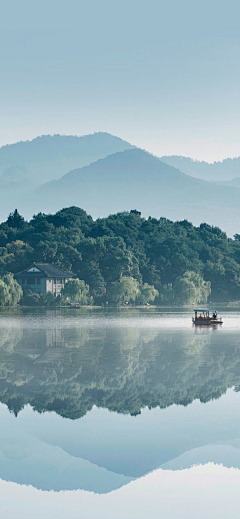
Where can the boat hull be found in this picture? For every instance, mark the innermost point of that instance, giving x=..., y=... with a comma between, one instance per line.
x=206, y=323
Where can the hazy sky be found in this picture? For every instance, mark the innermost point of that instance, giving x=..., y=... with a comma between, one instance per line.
x=163, y=75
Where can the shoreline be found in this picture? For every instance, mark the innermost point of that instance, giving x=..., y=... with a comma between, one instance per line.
x=232, y=304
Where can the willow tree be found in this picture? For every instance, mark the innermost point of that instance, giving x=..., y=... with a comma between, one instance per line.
x=147, y=294
x=76, y=290
x=191, y=288
x=10, y=291
x=124, y=291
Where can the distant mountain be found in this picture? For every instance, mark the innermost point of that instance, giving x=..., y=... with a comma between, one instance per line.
x=48, y=157
x=136, y=179
x=31, y=163
x=228, y=169
x=235, y=182
x=112, y=175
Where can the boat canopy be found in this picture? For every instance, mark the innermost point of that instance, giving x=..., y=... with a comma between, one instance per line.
x=205, y=310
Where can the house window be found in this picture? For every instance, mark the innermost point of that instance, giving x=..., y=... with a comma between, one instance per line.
x=23, y=281
x=38, y=281
x=31, y=281
x=54, y=281
x=59, y=281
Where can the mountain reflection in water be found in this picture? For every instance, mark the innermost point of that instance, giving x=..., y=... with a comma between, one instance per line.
x=118, y=394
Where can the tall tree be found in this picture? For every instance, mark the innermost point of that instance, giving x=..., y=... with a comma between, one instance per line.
x=124, y=291
x=191, y=288
x=10, y=291
x=76, y=290
x=15, y=220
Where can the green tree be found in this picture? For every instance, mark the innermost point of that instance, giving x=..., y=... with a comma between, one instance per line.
x=124, y=291
x=166, y=295
x=147, y=294
x=50, y=300
x=4, y=294
x=31, y=298
x=77, y=291
x=154, y=251
x=191, y=288
x=10, y=291
x=15, y=220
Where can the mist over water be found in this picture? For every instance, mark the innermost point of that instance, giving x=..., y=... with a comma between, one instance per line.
x=114, y=401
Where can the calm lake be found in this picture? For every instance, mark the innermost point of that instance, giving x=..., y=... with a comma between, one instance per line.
x=118, y=414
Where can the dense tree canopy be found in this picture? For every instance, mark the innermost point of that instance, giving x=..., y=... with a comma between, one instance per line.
x=159, y=253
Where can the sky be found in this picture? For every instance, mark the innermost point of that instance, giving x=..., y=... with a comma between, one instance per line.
x=162, y=75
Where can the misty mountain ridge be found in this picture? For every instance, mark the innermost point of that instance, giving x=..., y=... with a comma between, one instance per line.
x=226, y=170
x=29, y=164
x=135, y=178
x=104, y=174
x=48, y=157
x=235, y=182
x=130, y=162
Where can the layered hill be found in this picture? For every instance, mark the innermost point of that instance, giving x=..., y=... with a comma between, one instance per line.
x=136, y=179
x=235, y=182
x=28, y=164
x=48, y=157
x=111, y=176
x=226, y=170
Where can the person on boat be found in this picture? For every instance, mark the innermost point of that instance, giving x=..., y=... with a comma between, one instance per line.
x=214, y=316
x=201, y=317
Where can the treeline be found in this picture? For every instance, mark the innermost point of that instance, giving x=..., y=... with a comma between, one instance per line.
x=125, y=258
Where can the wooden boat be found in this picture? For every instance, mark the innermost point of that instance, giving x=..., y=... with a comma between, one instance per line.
x=74, y=305
x=206, y=316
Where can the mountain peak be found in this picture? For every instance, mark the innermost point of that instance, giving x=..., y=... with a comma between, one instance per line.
x=50, y=156
x=125, y=165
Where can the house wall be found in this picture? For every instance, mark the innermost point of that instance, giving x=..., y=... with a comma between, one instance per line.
x=55, y=285
x=49, y=286
x=43, y=285
x=39, y=285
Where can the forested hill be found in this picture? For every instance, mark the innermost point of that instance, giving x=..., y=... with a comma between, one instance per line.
x=176, y=259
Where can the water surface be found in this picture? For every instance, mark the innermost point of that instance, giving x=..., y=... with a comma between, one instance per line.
x=124, y=414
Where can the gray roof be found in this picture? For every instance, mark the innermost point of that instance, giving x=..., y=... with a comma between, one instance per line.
x=47, y=269
x=205, y=310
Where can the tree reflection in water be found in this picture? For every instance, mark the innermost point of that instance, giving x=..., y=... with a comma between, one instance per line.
x=70, y=369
